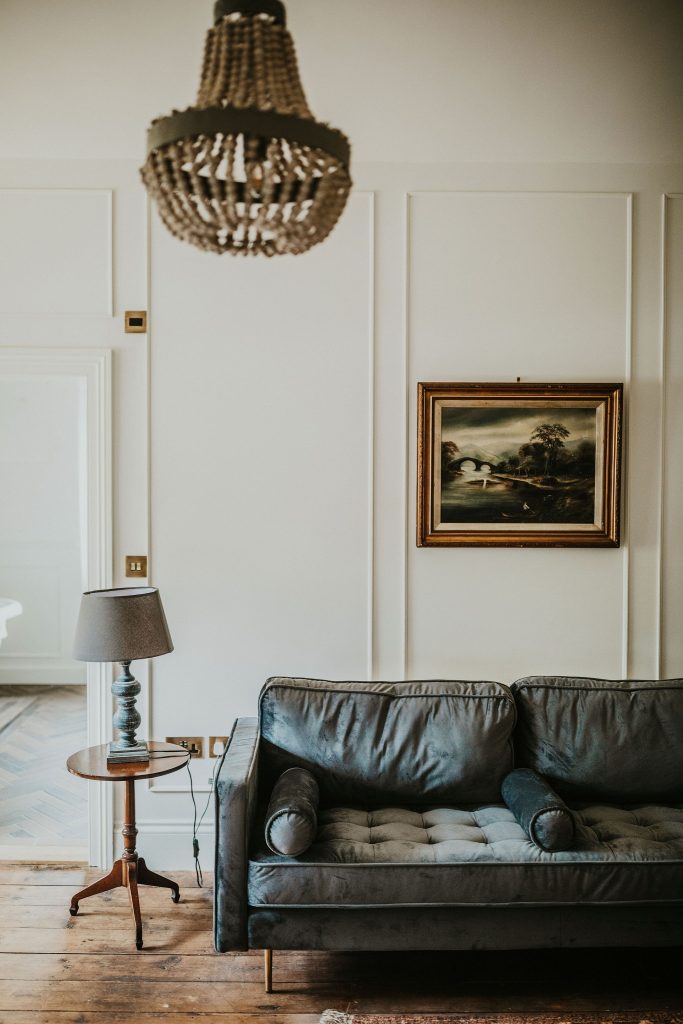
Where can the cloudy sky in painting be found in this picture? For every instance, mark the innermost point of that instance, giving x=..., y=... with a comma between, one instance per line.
x=502, y=430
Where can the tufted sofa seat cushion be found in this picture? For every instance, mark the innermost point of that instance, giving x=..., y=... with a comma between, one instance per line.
x=474, y=857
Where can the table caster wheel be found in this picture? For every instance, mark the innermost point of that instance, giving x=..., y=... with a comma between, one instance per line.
x=176, y=897
x=73, y=910
x=138, y=943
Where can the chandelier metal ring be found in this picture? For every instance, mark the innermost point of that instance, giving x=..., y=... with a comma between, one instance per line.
x=268, y=124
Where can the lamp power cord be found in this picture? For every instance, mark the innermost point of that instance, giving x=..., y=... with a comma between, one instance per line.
x=196, y=824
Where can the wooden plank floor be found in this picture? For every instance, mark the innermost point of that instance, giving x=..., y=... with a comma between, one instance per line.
x=55, y=969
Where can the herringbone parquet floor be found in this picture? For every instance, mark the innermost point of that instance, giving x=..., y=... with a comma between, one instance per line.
x=43, y=809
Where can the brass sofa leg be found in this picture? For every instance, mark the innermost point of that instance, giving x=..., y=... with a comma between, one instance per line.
x=268, y=969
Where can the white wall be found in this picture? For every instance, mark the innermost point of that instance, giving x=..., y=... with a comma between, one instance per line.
x=510, y=162
x=409, y=80
x=672, y=361
x=41, y=525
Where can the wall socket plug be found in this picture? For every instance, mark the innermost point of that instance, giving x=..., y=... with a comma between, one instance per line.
x=217, y=745
x=195, y=744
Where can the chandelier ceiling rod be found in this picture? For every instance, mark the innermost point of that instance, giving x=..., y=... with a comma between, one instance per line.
x=274, y=8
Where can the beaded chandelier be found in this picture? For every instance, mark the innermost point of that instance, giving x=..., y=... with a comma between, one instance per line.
x=248, y=169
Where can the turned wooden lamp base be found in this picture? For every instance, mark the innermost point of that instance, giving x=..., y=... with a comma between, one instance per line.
x=129, y=871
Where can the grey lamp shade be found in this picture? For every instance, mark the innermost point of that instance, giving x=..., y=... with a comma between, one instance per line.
x=121, y=625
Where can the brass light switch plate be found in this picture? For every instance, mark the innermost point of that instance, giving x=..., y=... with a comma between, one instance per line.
x=136, y=565
x=135, y=321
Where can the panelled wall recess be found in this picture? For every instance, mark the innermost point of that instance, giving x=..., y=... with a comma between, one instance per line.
x=248, y=169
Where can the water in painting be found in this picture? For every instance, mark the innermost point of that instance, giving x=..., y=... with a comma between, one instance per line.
x=513, y=464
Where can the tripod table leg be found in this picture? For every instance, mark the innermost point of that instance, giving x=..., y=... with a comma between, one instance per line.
x=111, y=881
x=135, y=902
x=147, y=877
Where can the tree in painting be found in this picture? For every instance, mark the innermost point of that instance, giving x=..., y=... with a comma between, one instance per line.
x=449, y=452
x=552, y=437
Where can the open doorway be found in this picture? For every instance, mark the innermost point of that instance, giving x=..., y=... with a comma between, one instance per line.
x=54, y=543
x=43, y=809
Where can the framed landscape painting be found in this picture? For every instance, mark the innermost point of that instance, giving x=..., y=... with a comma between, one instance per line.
x=519, y=464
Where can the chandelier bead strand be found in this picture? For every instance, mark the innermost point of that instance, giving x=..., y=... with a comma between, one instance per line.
x=248, y=170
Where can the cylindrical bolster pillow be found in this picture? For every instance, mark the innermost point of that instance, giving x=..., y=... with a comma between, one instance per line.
x=292, y=815
x=545, y=818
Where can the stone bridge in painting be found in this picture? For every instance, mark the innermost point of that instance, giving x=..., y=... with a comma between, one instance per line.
x=477, y=463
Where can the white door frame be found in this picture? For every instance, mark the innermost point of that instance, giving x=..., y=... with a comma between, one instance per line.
x=92, y=366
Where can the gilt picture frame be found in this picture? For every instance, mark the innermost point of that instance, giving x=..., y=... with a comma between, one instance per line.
x=519, y=465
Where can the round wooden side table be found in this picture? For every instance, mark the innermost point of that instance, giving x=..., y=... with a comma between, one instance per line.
x=130, y=870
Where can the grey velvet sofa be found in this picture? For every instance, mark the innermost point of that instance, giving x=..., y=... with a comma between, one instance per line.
x=415, y=848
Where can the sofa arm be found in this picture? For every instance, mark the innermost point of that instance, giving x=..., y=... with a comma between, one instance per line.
x=235, y=795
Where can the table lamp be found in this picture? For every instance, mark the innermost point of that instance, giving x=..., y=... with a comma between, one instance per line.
x=122, y=625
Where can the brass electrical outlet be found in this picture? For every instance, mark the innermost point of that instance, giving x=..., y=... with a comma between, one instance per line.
x=136, y=565
x=195, y=744
x=135, y=321
x=217, y=745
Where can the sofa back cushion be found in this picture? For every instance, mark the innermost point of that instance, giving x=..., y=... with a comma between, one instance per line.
x=390, y=743
x=599, y=739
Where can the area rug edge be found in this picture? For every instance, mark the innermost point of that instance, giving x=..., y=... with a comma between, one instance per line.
x=577, y=1017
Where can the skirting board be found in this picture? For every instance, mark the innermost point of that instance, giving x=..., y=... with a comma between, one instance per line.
x=31, y=853
x=36, y=674
x=167, y=845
